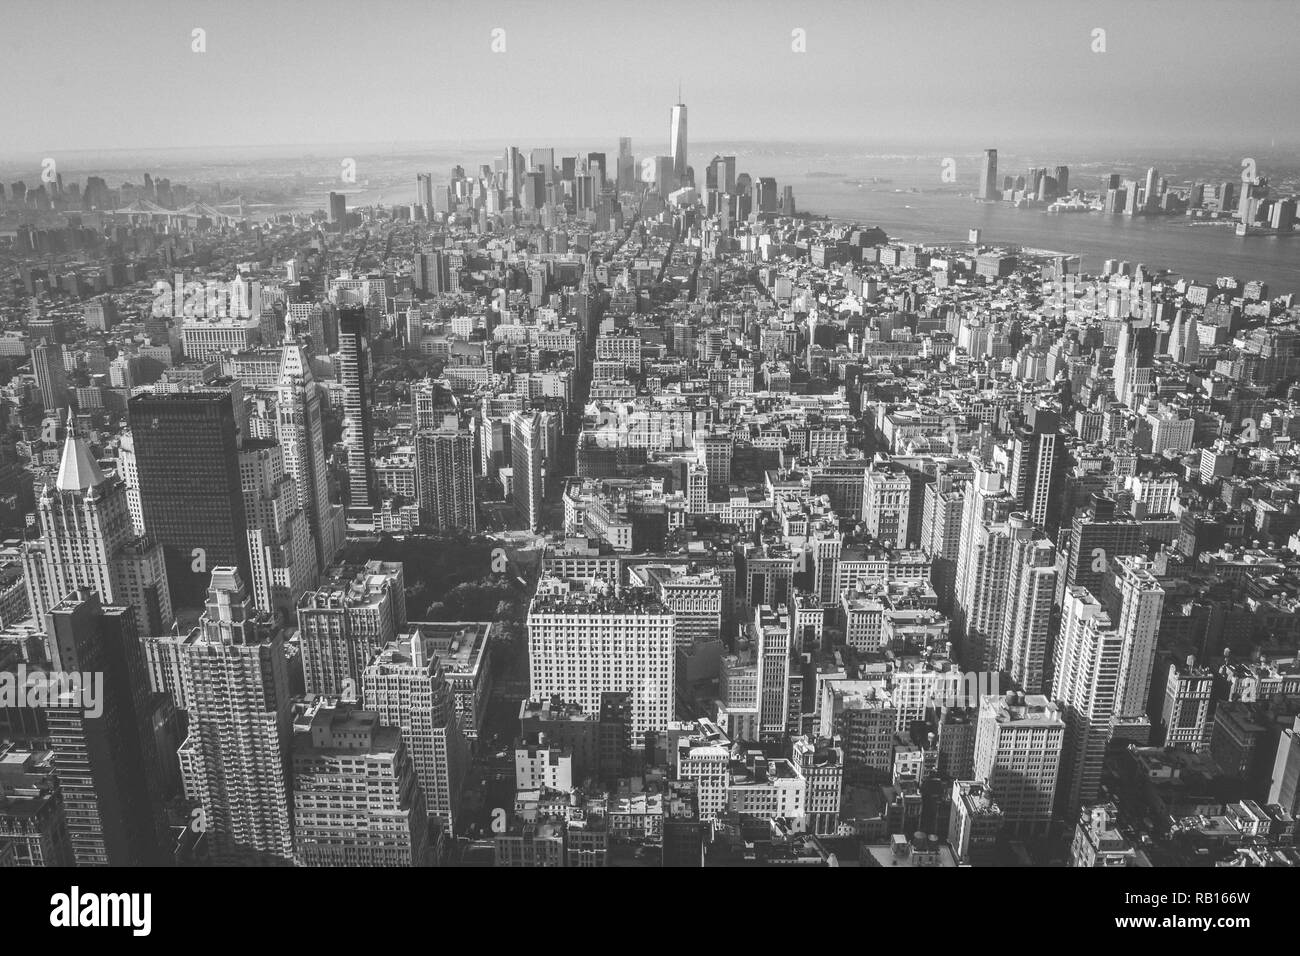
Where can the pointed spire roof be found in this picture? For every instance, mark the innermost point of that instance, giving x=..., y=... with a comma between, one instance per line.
x=78, y=471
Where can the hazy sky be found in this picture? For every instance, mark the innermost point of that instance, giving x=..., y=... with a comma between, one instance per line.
x=113, y=74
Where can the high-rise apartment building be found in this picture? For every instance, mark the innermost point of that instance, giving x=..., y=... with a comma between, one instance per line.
x=445, y=468
x=405, y=684
x=356, y=798
x=358, y=433
x=355, y=612
x=236, y=761
x=1037, y=468
x=1135, y=600
x=1086, y=683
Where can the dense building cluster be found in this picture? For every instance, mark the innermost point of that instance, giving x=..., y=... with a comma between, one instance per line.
x=801, y=545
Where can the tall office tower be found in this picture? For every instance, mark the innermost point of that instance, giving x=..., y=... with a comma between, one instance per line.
x=1037, y=468
x=995, y=554
x=357, y=611
x=236, y=761
x=665, y=178
x=1062, y=180
x=771, y=640
x=1186, y=719
x=356, y=798
x=191, y=493
x=714, y=451
x=33, y=826
x=406, y=686
x=677, y=141
x=765, y=196
x=431, y=274
x=514, y=163
x=301, y=434
x=886, y=504
x=787, y=201
x=424, y=191
x=598, y=167
x=1097, y=536
x=51, y=376
x=941, y=526
x=90, y=542
x=1018, y=743
x=626, y=165
x=107, y=762
x=1086, y=682
x=358, y=435
x=1134, y=600
x=1024, y=648
x=1151, y=190
x=281, y=552
x=987, y=503
x=339, y=210
x=989, y=177
x=528, y=464
x=582, y=643
x=534, y=191
x=1134, y=361
x=543, y=161
x=130, y=475
x=444, y=478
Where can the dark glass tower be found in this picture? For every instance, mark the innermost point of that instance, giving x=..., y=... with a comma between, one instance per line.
x=187, y=457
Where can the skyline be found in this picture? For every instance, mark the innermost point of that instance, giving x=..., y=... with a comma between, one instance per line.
x=252, y=51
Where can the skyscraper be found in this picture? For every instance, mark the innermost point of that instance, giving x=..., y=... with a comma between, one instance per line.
x=677, y=141
x=444, y=470
x=339, y=210
x=989, y=177
x=191, y=492
x=356, y=611
x=107, y=763
x=51, y=377
x=1036, y=467
x=626, y=165
x=1024, y=647
x=300, y=432
x=1134, y=599
x=281, y=553
x=528, y=466
x=514, y=163
x=1150, y=192
x=1018, y=742
x=236, y=760
x=406, y=686
x=1086, y=682
x=358, y=435
x=596, y=161
x=356, y=798
x=90, y=543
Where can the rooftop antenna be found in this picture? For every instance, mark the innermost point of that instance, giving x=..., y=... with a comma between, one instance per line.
x=679, y=91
